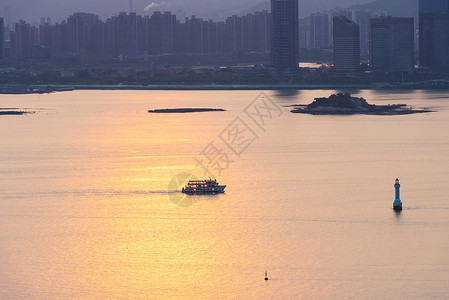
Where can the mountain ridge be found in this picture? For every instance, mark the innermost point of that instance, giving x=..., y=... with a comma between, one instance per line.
x=398, y=8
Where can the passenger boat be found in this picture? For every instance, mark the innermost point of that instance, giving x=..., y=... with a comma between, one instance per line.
x=203, y=187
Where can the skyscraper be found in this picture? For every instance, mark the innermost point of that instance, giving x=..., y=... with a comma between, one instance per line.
x=22, y=40
x=434, y=34
x=319, y=31
x=233, y=34
x=77, y=25
x=285, y=37
x=256, y=31
x=195, y=35
x=392, y=44
x=2, y=41
x=346, y=44
x=337, y=12
x=304, y=33
x=361, y=17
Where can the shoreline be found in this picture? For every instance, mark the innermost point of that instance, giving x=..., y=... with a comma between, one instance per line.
x=19, y=89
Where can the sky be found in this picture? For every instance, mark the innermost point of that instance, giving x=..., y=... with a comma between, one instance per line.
x=33, y=10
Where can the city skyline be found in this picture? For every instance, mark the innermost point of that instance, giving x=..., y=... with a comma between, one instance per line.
x=132, y=35
x=137, y=36
x=12, y=11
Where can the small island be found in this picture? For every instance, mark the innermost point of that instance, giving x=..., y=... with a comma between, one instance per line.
x=183, y=110
x=10, y=112
x=345, y=104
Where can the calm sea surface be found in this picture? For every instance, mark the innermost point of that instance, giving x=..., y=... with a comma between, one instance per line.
x=86, y=210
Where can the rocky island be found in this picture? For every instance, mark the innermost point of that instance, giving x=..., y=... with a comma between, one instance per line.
x=183, y=110
x=345, y=104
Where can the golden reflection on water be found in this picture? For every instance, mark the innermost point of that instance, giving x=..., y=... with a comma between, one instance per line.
x=85, y=211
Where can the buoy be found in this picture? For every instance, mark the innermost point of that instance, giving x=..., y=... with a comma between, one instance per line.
x=397, y=204
x=266, y=275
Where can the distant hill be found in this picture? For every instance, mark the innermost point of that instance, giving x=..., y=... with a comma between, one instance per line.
x=259, y=7
x=399, y=8
x=307, y=7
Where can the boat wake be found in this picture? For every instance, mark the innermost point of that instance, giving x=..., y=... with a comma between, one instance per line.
x=83, y=193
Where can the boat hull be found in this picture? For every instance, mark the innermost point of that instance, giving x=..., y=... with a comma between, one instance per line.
x=197, y=191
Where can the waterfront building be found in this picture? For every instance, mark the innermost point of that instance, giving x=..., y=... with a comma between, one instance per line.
x=284, y=37
x=392, y=44
x=346, y=44
x=434, y=35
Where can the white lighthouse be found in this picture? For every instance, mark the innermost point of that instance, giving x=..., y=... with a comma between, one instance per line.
x=397, y=204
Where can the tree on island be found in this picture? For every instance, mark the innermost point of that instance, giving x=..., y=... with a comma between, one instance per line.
x=342, y=101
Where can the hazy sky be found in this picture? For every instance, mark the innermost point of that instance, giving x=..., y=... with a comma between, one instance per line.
x=33, y=10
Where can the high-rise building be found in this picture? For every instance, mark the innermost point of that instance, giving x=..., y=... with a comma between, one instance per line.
x=180, y=16
x=262, y=29
x=392, y=44
x=22, y=40
x=195, y=35
x=337, y=12
x=233, y=34
x=162, y=28
x=2, y=41
x=304, y=33
x=433, y=6
x=434, y=34
x=346, y=44
x=285, y=37
x=218, y=38
x=125, y=35
x=77, y=26
x=319, y=31
x=180, y=38
x=7, y=16
x=255, y=33
x=361, y=17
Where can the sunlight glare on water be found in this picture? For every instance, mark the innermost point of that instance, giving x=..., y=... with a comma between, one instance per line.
x=85, y=210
